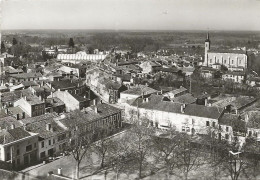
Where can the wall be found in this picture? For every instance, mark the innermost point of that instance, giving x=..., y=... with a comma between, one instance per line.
x=227, y=59
x=24, y=105
x=21, y=145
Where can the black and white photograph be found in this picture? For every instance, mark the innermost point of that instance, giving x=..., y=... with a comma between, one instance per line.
x=130, y=90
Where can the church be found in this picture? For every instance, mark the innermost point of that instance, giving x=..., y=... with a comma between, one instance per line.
x=234, y=60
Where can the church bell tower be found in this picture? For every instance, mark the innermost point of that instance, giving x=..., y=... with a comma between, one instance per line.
x=207, y=47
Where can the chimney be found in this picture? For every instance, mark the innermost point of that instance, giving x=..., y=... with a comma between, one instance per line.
x=60, y=171
x=182, y=108
x=23, y=116
x=96, y=109
x=6, y=111
x=94, y=101
x=24, y=127
x=48, y=126
x=206, y=102
x=12, y=126
x=25, y=98
x=17, y=116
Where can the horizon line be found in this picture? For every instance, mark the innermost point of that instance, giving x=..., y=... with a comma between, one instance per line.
x=81, y=29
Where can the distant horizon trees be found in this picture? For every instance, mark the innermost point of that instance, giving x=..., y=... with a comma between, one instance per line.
x=71, y=43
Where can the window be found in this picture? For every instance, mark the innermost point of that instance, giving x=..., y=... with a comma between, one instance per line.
x=187, y=129
x=183, y=128
x=18, y=152
x=49, y=142
x=28, y=148
x=227, y=129
x=18, y=161
x=8, y=157
x=240, y=61
x=207, y=123
x=53, y=141
x=250, y=133
x=225, y=61
x=42, y=154
x=232, y=62
x=210, y=60
x=226, y=136
x=42, y=144
x=213, y=124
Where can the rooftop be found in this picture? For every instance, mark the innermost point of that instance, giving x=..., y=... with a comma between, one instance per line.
x=140, y=90
x=11, y=135
x=156, y=102
x=234, y=121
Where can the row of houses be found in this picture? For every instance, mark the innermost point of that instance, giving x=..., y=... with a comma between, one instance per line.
x=27, y=141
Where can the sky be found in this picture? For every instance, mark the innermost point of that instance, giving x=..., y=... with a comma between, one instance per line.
x=131, y=14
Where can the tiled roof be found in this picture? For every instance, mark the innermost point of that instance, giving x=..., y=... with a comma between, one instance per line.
x=65, y=84
x=13, y=135
x=156, y=103
x=253, y=119
x=226, y=51
x=54, y=102
x=39, y=118
x=234, y=121
x=89, y=115
x=6, y=122
x=32, y=99
x=242, y=101
x=185, y=98
x=29, y=83
x=176, y=91
x=139, y=90
x=39, y=126
x=15, y=95
x=26, y=75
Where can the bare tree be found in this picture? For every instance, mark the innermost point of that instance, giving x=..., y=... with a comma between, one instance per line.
x=141, y=144
x=104, y=144
x=80, y=145
x=165, y=150
x=188, y=156
x=120, y=153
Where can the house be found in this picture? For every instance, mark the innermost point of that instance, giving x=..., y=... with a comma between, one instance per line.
x=176, y=92
x=18, y=78
x=72, y=86
x=103, y=85
x=148, y=66
x=18, y=147
x=31, y=105
x=71, y=101
x=79, y=70
x=253, y=81
x=54, y=104
x=253, y=124
x=91, y=119
x=207, y=72
x=48, y=132
x=135, y=92
x=234, y=76
x=231, y=126
x=164, y=114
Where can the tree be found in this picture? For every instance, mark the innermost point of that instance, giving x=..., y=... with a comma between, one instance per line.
x=166, y=150
x=120, y=153
x=2, y=47
x=80, y=145
x=104, y=144
x=14, y=41
x=188, y=157
x=140, y=144
x=71, y=43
